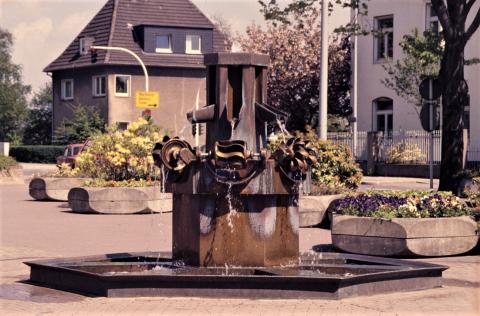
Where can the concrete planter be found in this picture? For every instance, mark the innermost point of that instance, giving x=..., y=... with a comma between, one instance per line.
x=53, y=189
x=119, y=200
x=313, y=209
x=404, y=236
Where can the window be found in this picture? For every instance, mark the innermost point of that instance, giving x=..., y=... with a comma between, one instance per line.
x=383, y=39
x=99, y=84
x=122, y=125
x=431, y=21
x=67, y=89
x=122, y=85
x=163, y=44
x=383, y=116
x=193, y=45
x=84, y=45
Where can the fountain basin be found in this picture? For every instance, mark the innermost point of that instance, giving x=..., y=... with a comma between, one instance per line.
x=318, y=275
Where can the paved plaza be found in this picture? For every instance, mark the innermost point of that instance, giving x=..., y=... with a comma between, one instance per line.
x=36, y=230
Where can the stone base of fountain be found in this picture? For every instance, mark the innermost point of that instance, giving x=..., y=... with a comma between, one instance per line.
x=318, y=275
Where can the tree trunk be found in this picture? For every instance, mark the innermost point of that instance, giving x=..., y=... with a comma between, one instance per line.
x=454, y=98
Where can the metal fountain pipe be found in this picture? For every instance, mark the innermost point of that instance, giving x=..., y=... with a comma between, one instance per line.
x=202, y=115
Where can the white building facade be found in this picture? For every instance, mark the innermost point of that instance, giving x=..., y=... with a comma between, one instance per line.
x=380, y=108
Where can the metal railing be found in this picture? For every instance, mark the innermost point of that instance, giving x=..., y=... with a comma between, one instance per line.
x=414, y=146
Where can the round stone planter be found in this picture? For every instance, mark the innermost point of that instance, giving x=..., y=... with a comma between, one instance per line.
x=404, y=236
x=53, y=189
x=119, y=200
x=313, y=209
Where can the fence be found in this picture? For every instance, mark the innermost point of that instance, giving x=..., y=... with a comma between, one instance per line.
x=346, y=139
x=413, y=145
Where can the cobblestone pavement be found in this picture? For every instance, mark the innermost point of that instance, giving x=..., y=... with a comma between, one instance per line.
x=33, y=230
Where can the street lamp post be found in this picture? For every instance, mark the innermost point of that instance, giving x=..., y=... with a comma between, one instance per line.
x=121, y=49
x=354, y=96
x=323, y=104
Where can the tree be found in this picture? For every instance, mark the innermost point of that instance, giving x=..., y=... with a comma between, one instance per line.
x=225, y=28
x=86, y=121
x=38, y=129
x=452, y=15
x=13, y=93
x=293, y=75
x=272, y=12
x=422, y=59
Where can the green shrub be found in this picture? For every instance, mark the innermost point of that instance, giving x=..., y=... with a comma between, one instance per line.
x=404, y=153
x=121, y=155
x=335, y=166
x=335, y=170
x=7, y=162
x=40, y=153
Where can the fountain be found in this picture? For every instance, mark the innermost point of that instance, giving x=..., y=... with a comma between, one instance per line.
x=235, y=214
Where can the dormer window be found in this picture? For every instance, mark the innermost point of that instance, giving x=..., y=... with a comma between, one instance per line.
x=163, y=44
x=84, y=45
x=193, y=44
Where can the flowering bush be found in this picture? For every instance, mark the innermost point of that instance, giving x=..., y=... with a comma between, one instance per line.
x=404, y=153
x=335, y=166
x=407, y=204
x=121, y=155
x=64, y=171
x=335, y=170
x=294, y=72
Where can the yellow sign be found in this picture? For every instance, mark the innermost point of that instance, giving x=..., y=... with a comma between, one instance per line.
x=147, y=100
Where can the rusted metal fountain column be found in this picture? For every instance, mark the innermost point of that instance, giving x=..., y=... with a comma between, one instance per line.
x=233, y=204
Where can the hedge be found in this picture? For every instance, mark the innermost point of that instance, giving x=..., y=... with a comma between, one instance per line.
x=38, y=153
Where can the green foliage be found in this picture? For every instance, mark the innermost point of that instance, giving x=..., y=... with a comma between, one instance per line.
x=272, y=11
x=13, y=93
x=7, y=162
x=335, y=166
x=40, y=153
x=38, y=128
x=422, y=59
x=121, y=155
x=337, y=123
x=85, y=123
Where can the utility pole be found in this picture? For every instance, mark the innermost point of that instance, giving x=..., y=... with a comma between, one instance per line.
x=323, y=104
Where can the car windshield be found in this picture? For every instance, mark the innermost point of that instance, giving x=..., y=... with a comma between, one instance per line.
x=76, y=150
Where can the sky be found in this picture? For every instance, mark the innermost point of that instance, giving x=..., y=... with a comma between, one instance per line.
x=42, y=29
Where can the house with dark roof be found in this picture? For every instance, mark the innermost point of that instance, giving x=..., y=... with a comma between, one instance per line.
x=170, y=36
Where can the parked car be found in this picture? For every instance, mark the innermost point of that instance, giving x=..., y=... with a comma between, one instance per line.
x=71, y=153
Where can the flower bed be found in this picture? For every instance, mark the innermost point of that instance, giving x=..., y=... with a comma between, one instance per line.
x=421, y=223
